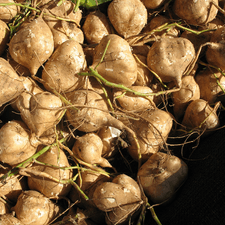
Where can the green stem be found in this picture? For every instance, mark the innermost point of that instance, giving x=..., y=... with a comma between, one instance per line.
x=155, y=217
x=79, y=190
x=217, y=79
x=21, y=5
x=95, y=74
x=15, y=170
x=77, y=5
x=39, y=11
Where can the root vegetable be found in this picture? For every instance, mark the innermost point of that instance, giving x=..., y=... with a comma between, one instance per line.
x=67, y=27
x=4, y=208
x=211, y=84
x=119, y=198
x=161, y=176
x=11, y=84
x=40, y=111
x=109, y=136
x=153, y=4
x=65, y=10
x=33, y=208
x=170, y=58
x=7, y=219
x=132, y=102
x=92, y=114
x=19, y=69
x=152, y=130
x=110, y=195
x=61, y=70
x=120, y=215
x=88, y=181
x=89, y=149
x=96, y=26
x=119, y=65
x=4, y=36
x=8, y=12
x=22, y=102
x=189, y=91
x=48, y=187
x=12, y=187
x=64, y=31
x=32, y=45
x=15, y=143
x=197, y=12
x=128, y=17
x=200, y=115
x=215, y=51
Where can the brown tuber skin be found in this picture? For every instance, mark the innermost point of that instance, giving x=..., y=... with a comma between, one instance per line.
x=109, y=136
x=161, y=176
x=132, y=102
x=197, y=12
x=215, y=50
x=158, y=21
x=144, y=76
x=7, y=13
x=119, y=65
x=207, y=81
x=4, y=36
x=152, y=132
x=61, y=70
x=119, y=198
x=11, y=83
x=128, y=17
x=12, y=187
x=200, y=115
x=153, y=4
x=90, y=113
x=41, y=111
x=32, y=45
x=46, y=186
x=15, y=145
x=9, y=219
x=89, y=149
x=170, y=58
x=33, y=208
x=96, y=26
x=64, y=31
x=188, y=92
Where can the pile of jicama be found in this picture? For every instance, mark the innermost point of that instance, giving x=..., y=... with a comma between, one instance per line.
x=91, y=96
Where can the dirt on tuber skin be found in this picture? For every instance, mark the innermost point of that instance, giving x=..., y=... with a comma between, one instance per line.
x=200, y=115
x=15, y=143
x=35, y=209
x=9, y=12
x=96, y=26
x=211, y=83
x=47, y=186
x=128, y=17
x=170, y=58
x=89, y=149
x=152, y=130
x=41, y=111
x=197, y=12
x=60, y=72
x=11, y=83
x=32, y=45
x=161, y=175
x=119, y=65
